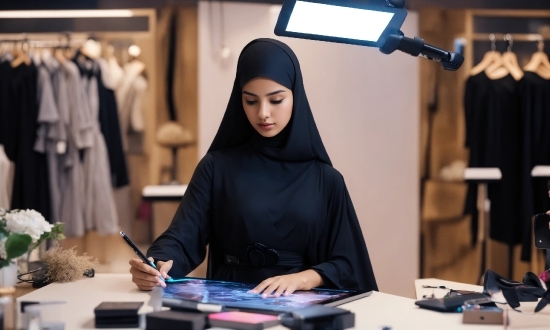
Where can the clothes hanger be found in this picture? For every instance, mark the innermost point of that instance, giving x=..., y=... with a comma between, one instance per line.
x=21, y=57
x=134, y=51
x=539, y=62
x=91, y=49
x=508, y=63
x=489, y=58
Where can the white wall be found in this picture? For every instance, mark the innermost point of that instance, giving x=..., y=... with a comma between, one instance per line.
x=366, y=106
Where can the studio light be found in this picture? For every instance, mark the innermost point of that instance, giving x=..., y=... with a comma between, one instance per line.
x=374, y=23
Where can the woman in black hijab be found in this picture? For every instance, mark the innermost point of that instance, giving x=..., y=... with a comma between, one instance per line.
x=265, y=197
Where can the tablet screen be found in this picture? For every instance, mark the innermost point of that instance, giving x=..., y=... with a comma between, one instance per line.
x=235, y=295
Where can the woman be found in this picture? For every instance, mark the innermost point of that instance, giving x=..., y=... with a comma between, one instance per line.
x=265, y=197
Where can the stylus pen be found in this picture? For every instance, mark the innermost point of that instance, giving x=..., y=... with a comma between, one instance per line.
x=192, y=305
x=138, y=252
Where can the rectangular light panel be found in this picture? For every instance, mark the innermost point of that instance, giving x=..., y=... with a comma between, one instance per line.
x=336, y=21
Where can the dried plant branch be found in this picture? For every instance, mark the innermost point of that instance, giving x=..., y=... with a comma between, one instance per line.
x=66, y=265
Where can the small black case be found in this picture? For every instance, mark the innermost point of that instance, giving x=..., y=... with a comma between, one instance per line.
x=318, y=317
x=117, y=314
x=449, y=304
x=170, y=319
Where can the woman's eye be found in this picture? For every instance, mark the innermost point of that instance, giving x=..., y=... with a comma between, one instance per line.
x=277, y=101
x=250, y=102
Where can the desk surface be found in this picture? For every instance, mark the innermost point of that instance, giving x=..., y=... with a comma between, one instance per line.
x=374, y=312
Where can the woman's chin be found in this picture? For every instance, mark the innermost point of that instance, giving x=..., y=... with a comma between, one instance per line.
x=268, y=134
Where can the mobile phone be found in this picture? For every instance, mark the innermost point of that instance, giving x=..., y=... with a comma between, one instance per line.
x=242, y=320
x=542, y=231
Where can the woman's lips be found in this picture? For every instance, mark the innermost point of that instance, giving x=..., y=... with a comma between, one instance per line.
x=266, y=126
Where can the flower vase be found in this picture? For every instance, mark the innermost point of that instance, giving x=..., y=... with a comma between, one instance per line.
x=8, y=275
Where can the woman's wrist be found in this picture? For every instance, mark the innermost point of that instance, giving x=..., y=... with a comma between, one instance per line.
x=312, y=279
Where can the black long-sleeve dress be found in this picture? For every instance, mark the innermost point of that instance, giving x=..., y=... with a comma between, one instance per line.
x=535, y=110
x=281, y=192
x=494, y=137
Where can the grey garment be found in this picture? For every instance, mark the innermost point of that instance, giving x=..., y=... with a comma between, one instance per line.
x=100, y=209
x=49, y=134
x=130, y=91
x=79, y=137
x=81, y=123
x=6, y=179
x=136, y=129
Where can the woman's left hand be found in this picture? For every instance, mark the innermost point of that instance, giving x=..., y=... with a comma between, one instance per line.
x=287, y=284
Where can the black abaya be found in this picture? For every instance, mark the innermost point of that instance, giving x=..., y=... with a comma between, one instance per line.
x=493, y=136
x=281, y=192
x=30, y=183
x=535, y=110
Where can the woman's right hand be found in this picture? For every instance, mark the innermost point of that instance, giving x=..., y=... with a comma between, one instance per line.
x=146, y=277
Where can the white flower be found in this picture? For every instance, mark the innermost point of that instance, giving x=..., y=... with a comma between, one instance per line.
x=3, y=253
x=2, y=212
x=27, y=222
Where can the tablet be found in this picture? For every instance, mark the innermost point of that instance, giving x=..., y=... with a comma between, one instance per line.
x=356, y=23
x=234, y=295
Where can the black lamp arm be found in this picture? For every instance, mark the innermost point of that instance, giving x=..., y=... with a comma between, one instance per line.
x=416, y=47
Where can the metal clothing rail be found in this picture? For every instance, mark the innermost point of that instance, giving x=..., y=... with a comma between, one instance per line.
x=515, y=36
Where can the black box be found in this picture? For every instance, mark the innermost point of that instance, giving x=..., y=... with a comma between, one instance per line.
x=170, y=319
x=117, y=315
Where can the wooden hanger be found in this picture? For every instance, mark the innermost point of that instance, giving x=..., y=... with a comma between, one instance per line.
x=489, y=58
x=508, y=64
x=59, y=56
x=20, y=57
x=91, y=49
x=539, y=62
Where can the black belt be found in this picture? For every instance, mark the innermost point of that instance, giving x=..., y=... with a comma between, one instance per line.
x=259, y=255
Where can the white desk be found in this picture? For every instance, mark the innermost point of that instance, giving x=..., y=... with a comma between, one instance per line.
x=539, y=321
x=372, y=313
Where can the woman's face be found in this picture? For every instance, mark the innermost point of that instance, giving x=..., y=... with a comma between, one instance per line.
x=268, y=105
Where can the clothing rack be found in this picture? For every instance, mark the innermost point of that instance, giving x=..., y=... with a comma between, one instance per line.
x=515, y=36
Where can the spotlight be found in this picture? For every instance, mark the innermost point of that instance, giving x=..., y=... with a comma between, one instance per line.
x=374, y=24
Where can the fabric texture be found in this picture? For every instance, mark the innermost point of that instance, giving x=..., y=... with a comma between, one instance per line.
x=6, y=179
x=130, y=90
x=31, y=184
x=281, y=192
x=100, y=210
x=534, y=92
x=494, y=139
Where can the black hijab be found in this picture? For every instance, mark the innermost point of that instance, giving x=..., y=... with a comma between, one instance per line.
x=300, y=139
x=281, y=192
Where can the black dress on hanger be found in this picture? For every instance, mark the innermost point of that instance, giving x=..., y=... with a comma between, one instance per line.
x=504, y=133
x=535, y=110
x=493, y=135
x=475, y=101
x=31, y=184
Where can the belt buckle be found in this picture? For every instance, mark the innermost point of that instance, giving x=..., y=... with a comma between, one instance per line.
x=261, y=256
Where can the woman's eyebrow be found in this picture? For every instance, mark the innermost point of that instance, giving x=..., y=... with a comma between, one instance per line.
x=269, y=94
x=275, y=92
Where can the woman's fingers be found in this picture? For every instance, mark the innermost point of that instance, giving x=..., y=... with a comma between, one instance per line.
x=290, y=290
x=271, y=288
x=261, y=287
x=140, y=265
x=136, y=273
x=145, y=276
x=281, y=289
x=164, y=267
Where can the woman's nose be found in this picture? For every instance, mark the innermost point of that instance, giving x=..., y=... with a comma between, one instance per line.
x=263, y=113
